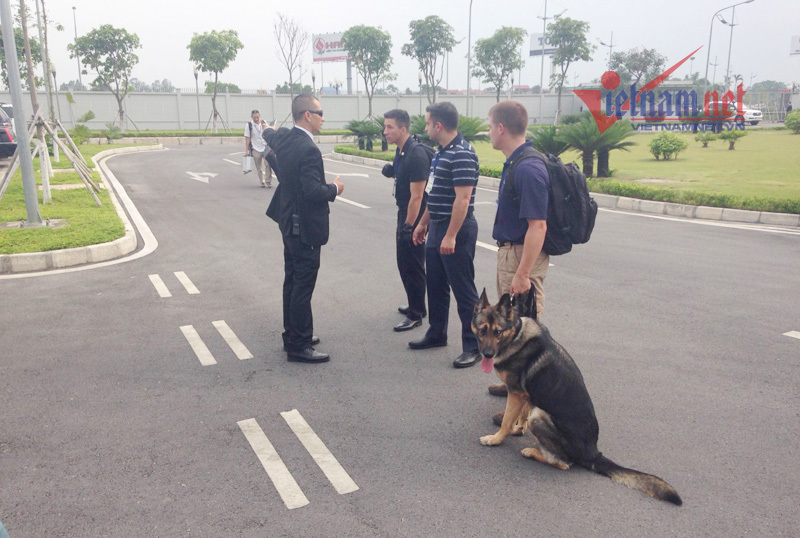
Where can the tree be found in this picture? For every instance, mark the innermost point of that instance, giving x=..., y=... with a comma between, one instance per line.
x=568, y=36
x=222, y=87
x=109, y=52
x=213, y=52
x=545, y=139
x=36, y=56
x=296, y=88
x=612, y=139
x=584, y=137
x=371, y=50
x=637, y=65
x=431, y=38
x=768, y=86
x=497, y=57
x=292, y=40
x=139, y=85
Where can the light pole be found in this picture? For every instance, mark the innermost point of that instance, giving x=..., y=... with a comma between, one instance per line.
x=691, y=62
x=610, y=46
x=419, y=79
x=541, y=72
x=55, y=87
x=313, y=83
x=711, y=30
x=469, y=55
x=75, y=25
x=197, y=95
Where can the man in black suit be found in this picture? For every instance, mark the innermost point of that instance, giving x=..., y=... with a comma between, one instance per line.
x=300, y=207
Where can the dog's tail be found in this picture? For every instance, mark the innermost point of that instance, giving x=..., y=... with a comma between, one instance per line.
x=647, y=483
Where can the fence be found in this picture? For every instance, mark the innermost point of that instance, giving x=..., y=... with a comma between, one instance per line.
x=183, y=110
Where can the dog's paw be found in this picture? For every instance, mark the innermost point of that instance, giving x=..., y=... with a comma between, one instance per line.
x=491, y=440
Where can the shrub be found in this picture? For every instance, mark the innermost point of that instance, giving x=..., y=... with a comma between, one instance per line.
x=544, y=139
x=667, y=145
x=705, y=137
x=793, y=121
x=567, y=119
x=472, y=129
x=732, y=136
x=112, y=132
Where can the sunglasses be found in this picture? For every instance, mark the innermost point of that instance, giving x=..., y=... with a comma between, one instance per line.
x=317, y=112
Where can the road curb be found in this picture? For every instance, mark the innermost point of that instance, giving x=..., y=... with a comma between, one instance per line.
x=609, y=201
x=206, y=140
x=38, y=262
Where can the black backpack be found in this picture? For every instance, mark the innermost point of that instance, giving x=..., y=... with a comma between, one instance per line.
x=571, y=212
x=429, y=151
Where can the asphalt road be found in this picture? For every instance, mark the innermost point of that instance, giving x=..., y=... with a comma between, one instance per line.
x=112, y=426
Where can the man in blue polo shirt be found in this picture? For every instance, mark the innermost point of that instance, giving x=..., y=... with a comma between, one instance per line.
x=452, y=232
x=520, y=224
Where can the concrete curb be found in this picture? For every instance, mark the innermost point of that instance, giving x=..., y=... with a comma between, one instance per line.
x=609, y=201
x=58, y=259
x=205, y=140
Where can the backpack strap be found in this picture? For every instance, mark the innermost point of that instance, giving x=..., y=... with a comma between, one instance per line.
x=527, y=153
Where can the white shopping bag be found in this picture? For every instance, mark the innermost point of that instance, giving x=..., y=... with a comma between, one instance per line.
x=247, y=164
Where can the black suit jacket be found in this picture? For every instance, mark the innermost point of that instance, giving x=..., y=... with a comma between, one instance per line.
x=302, y=189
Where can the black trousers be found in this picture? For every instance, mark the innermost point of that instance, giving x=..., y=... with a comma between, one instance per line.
x=300, y=267
x=411, y=264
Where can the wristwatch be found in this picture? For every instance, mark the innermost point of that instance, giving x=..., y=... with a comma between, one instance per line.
x=407, y=227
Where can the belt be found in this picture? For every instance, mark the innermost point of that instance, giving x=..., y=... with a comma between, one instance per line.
x=509, y=243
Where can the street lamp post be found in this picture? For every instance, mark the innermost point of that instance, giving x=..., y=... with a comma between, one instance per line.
x=75, y=25
x=55, y=87
x=313, y=83
x=419, y=79
x=541, y=72
x=469, y=55
x=711, y=30
x=610, y=46
x=197, y=95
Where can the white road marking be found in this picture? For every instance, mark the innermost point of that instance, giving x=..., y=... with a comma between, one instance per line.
x=277, y=471
x=338, y=477
x=235, y=344
x=230, y=161
x=198, y=346
x=347, y=174
x=202, y=176
x=237, y=153
x=190, y=288
x=487, y=246
x=161, y=288
x=738, y=226
x=793, y=334
x=345, y=200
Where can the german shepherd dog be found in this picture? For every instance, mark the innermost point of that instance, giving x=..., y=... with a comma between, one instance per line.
x=547, y=395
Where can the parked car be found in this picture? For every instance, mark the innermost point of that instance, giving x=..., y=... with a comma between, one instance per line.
x=8, y=109
x=750, y=115
x=8, y=142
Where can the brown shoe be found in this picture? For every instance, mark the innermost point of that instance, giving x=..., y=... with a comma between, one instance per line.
x=498, y=389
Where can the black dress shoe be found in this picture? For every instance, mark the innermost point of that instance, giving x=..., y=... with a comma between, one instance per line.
x=309, y=354
x=314, y=342
x=466, y=359
x=407, y=324
x=426, y=343
x=498, y=389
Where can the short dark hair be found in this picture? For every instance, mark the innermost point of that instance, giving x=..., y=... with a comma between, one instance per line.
x=445, y=113
x=400, y=117
x=302, y=103
x=512, y=114
x=254, y=111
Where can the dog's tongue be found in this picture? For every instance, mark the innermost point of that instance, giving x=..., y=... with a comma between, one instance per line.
x=487, y=365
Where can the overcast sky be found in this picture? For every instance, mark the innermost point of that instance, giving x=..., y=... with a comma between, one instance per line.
x=761, y=37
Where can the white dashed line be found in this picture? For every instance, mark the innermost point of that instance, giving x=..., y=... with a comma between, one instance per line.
x=345, y=200
x=230, y=161
x=235, y=344
x=282, y=479
x=198, y=346
x=338, y=477
x=161, y=288
x=793, y=334
x=487, y=246
x=190, y=288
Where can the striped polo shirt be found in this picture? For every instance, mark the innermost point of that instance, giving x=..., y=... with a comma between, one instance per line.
x=455, y=165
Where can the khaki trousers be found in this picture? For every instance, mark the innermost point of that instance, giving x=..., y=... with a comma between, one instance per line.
x=261, y=164
x=508, y=258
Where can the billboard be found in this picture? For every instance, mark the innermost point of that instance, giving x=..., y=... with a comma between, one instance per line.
x=795, y=46
x=536, y=45
x=328, y=48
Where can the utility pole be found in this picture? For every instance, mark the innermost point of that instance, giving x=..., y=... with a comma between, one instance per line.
x=75, y=25
x=23, y=143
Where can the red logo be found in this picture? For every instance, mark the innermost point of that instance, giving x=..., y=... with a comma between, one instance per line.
x=319, y=45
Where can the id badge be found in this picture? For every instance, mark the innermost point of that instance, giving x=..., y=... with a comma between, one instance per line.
x=429, y=186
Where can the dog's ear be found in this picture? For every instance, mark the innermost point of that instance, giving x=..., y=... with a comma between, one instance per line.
x=525, y=302
x=483, y=302
x=504, y=307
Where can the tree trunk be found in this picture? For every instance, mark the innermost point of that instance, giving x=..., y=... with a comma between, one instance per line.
x=121, y=112
x=498, y=95
x=602, y=163
x=588, y=163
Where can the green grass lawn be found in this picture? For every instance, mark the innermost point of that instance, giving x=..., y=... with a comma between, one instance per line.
x=87, y=223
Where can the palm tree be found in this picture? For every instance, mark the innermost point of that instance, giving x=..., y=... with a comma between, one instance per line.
x=584, y=137
x=611, y=139
x=545, y=139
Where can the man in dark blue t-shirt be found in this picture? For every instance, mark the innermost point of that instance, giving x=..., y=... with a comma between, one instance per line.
x=521, y=223
x=410, y=172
